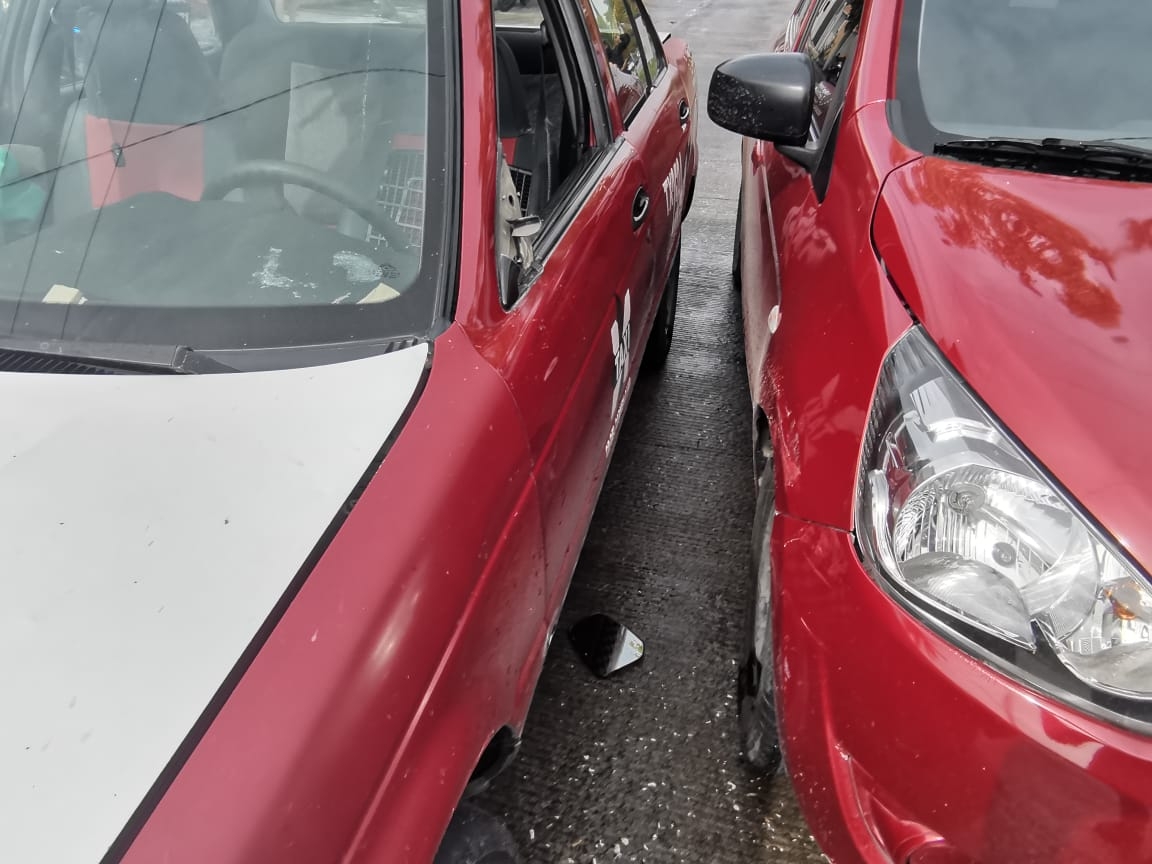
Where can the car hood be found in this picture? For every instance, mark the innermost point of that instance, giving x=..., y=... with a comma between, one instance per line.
x=1037, y=289
x=149, y=527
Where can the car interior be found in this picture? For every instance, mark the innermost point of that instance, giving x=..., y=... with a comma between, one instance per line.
x=127, y=121
x=542, y=112
x=208, y=104
x=131, y=79
x=126, y=117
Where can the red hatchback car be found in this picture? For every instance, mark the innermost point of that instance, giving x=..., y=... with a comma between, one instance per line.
x=944, y=242
x=406, y=259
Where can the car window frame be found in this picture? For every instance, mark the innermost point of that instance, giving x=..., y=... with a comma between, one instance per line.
x=829, y=133
x=642, y=21
x=579, y=63
x=815, y=30
x=625, y=118
x=818, y=26
x=565, y=22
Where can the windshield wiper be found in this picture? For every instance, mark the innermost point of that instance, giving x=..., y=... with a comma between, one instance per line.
x=1106, y=159
x=22, y=355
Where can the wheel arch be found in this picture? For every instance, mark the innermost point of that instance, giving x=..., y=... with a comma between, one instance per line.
x=494, y=758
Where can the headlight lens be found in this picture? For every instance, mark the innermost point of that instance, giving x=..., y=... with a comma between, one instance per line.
x=958, y=519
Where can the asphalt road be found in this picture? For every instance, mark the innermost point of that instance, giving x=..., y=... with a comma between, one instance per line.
x=644, y=766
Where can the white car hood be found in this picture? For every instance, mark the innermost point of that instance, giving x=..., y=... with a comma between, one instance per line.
x=148, y=526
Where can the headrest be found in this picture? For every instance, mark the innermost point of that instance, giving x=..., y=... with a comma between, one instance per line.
x=146, y=66
x=511, y=98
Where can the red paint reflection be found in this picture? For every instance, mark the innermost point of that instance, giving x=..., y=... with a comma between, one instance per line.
x=1039, y=247
x=1139, y=233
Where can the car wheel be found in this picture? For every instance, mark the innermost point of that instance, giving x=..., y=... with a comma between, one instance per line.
x=476, y=837
x=660, y=340
x=755, y=693
x=737, y=243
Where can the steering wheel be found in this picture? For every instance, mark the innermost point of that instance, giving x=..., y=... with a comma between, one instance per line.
x=272, y=172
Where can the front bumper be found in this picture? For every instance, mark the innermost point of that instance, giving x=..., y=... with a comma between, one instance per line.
x=903, y=748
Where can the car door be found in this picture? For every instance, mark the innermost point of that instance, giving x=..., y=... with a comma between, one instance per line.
x=661, y=132
x=787, y=195
x=633, y=62
x=566, y=347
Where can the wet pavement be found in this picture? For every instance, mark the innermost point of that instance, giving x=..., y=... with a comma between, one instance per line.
x=643, y=766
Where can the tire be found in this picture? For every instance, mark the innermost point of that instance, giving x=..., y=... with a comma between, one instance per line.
x=755, y=692
x=475, y=837
x=660, y=339
x=737, y=243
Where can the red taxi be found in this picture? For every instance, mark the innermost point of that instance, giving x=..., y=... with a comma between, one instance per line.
x=318, y=319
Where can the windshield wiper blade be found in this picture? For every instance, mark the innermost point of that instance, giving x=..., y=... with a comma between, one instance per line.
x=1058, y=155
x=51, y=355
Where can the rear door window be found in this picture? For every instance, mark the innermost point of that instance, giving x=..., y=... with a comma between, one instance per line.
x=622, y=45
x=649, y=40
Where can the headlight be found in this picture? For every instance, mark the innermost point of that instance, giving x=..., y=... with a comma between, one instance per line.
x=959, y=521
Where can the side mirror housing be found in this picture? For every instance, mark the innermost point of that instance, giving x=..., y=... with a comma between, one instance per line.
x=764, y=96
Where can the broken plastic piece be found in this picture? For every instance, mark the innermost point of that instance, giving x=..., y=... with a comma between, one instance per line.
x=605, y=645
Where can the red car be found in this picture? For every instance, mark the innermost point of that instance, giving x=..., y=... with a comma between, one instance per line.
x=318, y=323
x=943, y=248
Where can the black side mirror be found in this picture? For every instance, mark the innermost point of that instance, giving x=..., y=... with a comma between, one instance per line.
x=764, y=96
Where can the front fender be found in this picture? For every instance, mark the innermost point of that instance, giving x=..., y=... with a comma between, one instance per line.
x=354, y=730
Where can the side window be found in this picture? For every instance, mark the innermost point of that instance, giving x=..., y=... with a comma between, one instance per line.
x=517, y=13
x=795, y=22
x=819, y=19
x=649, y=41
x=544, y=112
x=830, y=42
x=551, y=121
x=625, y=55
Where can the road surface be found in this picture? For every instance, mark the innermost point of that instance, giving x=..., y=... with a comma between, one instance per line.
x=643, y=767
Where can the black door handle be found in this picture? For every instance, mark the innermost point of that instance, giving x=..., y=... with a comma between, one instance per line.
x=685, y=112
x=640, y=207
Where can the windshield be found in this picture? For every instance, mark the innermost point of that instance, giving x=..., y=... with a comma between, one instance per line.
x=1030, y=69
x=222, y=174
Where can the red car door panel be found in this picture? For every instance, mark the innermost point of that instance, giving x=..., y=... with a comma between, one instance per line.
x=774, y=188
x=660, y=132
x=567, y=353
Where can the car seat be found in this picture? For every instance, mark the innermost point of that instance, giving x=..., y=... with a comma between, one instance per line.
x=530, y=112
x=344, y=99
x=513, y=120
x=140, y=123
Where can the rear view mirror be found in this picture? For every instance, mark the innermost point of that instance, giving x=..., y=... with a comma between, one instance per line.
x=605, y=645
x=764, y=96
